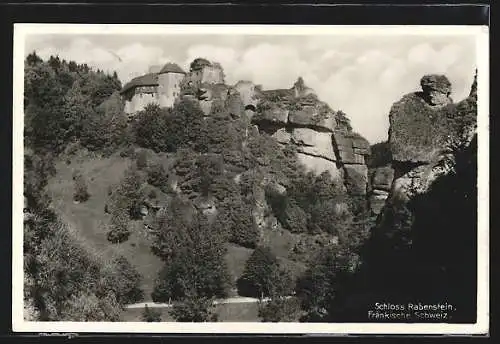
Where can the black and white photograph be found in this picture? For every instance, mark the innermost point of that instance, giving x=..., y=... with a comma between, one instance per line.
x=250, y=178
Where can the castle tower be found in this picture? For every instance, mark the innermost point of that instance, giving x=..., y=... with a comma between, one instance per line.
x=203, y=71
x=169, y=84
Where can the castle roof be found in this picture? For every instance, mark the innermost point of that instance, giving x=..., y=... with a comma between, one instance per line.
x=171, y=68
x=149, y=79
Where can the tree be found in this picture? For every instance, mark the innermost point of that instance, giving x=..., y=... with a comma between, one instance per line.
x=194, y=309
x=142, y=160
x=129, y=194
x=151, y=129
x=107, y=130
x=186, y=127
x=261, y=274
x=278, y=309
x=380, y=155
x=193, y=251
x=123, y=280
x=158, y=176
x=235, y=220
x=151, y=315
x=318, y=287
x=118, y=228
x=81, y=193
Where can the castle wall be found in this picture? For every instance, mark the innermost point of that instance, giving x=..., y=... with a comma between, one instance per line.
x=138, y=99
x=212, y=75
x=195, y=77
x=169, y=88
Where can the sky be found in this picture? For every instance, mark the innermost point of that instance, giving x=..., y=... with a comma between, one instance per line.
x=360, y=75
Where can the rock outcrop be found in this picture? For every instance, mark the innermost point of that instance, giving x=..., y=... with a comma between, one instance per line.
x=422, y=127
x=323, y=138
x=380, y=184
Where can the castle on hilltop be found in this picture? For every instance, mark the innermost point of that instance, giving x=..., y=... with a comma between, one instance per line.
x=162, y=84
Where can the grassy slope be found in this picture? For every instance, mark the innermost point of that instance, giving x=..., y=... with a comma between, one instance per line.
x=89, y=220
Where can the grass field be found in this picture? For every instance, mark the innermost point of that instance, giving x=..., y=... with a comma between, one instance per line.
x=88, y=220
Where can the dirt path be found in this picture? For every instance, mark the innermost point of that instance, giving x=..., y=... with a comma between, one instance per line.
x=239, y=299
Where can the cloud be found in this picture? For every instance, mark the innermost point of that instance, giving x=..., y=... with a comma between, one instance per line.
x=128, y=61
x=361, y=76
x=227, y=57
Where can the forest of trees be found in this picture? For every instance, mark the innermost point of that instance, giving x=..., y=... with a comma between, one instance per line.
x=221, y=159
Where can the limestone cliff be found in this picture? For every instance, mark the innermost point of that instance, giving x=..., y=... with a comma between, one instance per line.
x=322, y=137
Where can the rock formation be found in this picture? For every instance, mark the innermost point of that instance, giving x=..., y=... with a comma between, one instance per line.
x=422, y=127
x=322, y=137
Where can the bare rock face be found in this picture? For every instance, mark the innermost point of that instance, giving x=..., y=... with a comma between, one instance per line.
x=352, y=148
x=314, y=143
x=319, y=165
x=323, y=138
x=282, y=135
x=275, y=115
x=311, y=117
x=382, y=178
